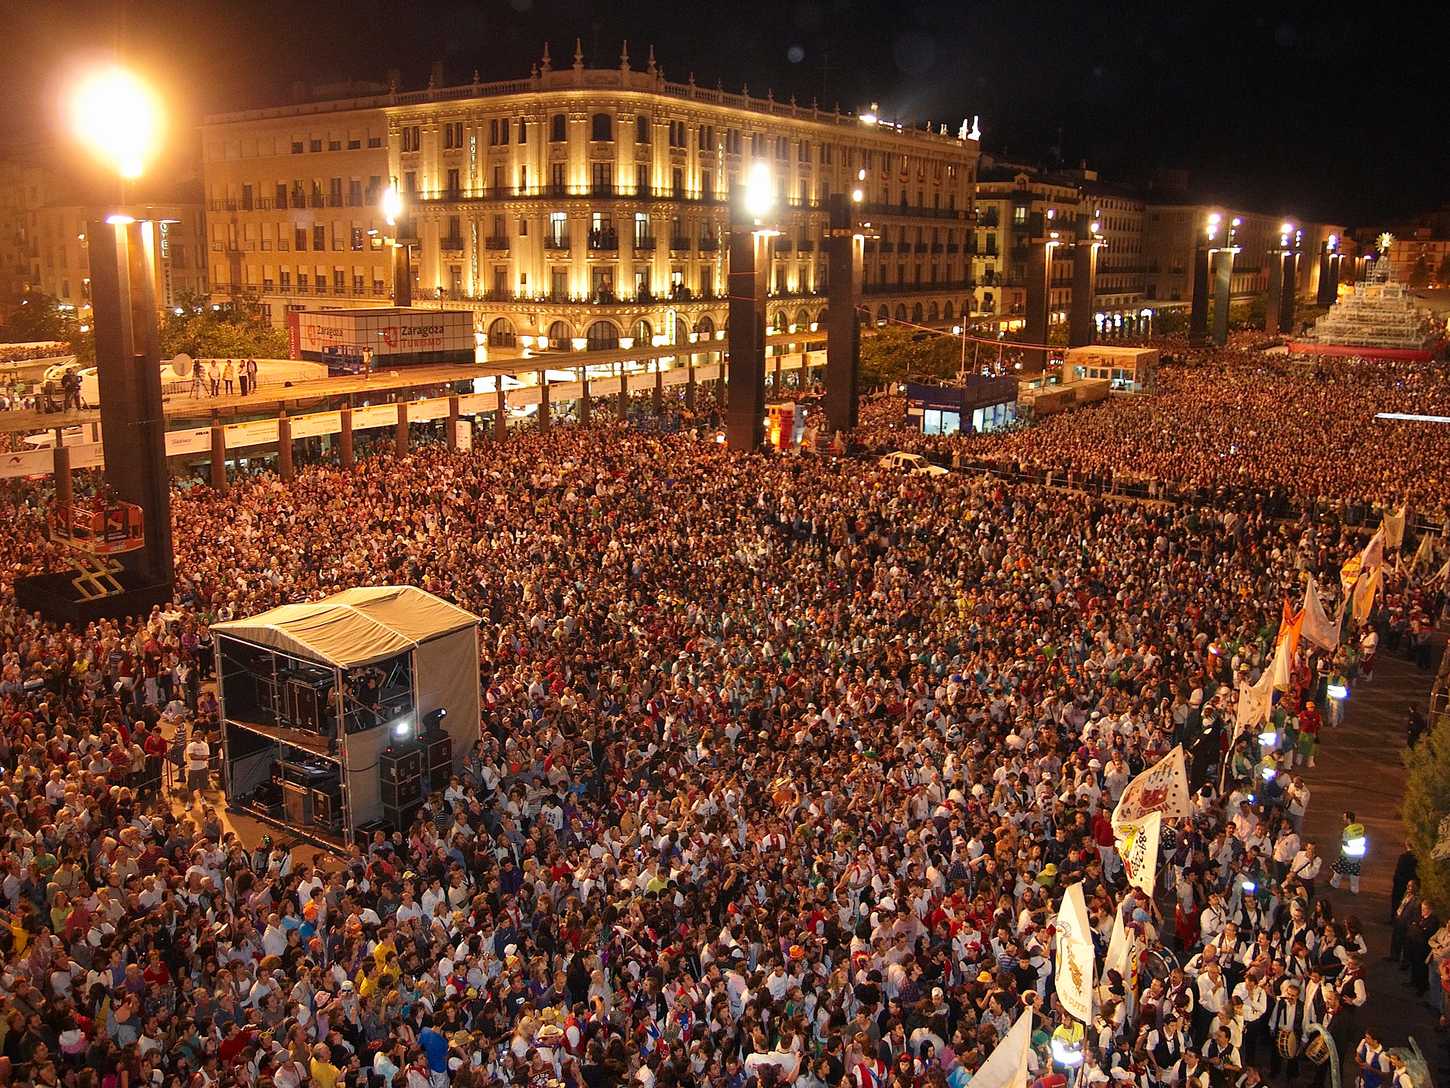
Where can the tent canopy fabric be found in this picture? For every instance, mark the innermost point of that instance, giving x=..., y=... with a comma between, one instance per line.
x=353, y=628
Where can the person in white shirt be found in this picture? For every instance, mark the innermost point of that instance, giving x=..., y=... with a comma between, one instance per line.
x=1306, y=866
x=274, y=937
x=198, y=767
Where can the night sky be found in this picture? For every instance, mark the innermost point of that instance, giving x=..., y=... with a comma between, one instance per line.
x=1323, y=110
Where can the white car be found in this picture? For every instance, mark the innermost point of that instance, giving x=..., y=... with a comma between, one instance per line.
x=913, y=463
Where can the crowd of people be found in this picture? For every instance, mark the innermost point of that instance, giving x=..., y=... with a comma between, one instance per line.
x=784, y=766
x=1235, y=422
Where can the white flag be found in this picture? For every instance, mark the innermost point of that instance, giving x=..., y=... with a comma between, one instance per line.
x=1006, y=1067
x=1281, y=669
x=1393, y=526
x=1255, y=702
x=1163, y=788
x=1424, y=553
x=1138, y=848
x=1073, y=966
x=1318, y=629
x=1120, y=949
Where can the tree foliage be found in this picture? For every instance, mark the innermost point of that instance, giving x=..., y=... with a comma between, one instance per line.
x=39, y=317
x=229, y=330
x=1420, y=274
x=1426, y=802
x=895, y=354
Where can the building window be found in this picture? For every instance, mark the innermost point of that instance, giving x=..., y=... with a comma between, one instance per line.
x=412, y=141
x=357, y=238
x=296, y=147
x=601, y=177
x=641, y=129
x=732, y=141
x=453, y=182
x=334, y=145
x=300, y=241
x=375, y=141
x=556, y=177
x=523, y=132
x=319, y=238
x=314, y=145
x=641, y=177
x=556, y=128
x=679, y=134
x=601, y=127
x=677, y=181
x=354, y=193
x=452, y=135
x=558, y=229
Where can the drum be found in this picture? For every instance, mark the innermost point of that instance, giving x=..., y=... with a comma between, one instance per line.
x=1288, y=1043
x=1317, y=1049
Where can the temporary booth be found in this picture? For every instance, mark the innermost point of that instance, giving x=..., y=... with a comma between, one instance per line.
x=340, y=714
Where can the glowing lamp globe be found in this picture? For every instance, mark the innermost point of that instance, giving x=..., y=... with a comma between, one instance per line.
x=120, y=119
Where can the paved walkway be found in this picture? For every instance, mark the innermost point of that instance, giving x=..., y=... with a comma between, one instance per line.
x=1360, y=768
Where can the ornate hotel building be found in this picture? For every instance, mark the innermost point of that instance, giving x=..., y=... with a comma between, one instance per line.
x=579, y=205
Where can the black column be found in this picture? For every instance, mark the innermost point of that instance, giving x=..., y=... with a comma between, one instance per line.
x=402, y=275
x=1223, y=273
x=1287, y=295
x=1198, y=313
x=1039, y=268
x=123, y=306
x=1276, y=288
x=1325, y=293
x=749, y=267
x=1084, y=287
x=843, y=330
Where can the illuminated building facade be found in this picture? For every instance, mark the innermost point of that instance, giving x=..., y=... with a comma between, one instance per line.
x=579, y=207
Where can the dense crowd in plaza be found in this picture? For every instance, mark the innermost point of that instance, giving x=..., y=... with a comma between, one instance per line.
x=785, y=765
x=1236, y=424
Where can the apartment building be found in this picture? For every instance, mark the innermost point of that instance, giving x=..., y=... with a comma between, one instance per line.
x=579, y=206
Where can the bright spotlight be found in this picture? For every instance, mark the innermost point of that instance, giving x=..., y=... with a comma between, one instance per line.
x=392, y=205
x=759, y=191
x=119, y=118
x=402, y=729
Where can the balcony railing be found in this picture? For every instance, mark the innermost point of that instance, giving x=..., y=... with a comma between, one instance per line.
x=496, y=243
x=709, y=245
x=888, y=247
x=559, y=242
x=603, y=240
x=644, y=243
x=575, y=192
x=452, y=244
x=784, y=245
x=806, y=245
x=679, y=245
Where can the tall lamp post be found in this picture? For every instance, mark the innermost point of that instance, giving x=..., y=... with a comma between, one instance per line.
x=401, y=249
x=846, y=242
x=750, y=235
x=120, y=121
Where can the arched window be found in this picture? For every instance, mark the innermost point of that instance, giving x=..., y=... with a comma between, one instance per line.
x=560, y=336
x=901, y=311
x=557, y=132
x=988, y=302
x=932, y=313
x=778, y=325
x=917, y=314
x=863, y=316
x=501, y=334
x=883, y=315
x=601, y=127
x=802, y=319
x=705, y=327
x=946, y=310
x=641, y=129
x=603, y=336
x=643, y=334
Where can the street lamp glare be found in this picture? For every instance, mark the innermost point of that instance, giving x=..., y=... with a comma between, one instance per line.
x=858, y=195
x=392, y=206
x=759, y=191
x=119, y=118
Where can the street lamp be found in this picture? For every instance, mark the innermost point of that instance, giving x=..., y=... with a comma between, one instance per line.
x=119, y=119
x=391, y=207
x=759, y=191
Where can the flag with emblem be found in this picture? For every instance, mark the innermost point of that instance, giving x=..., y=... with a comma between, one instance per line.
x=1073, y=965
x=1163, y=788
x=1138, y=848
